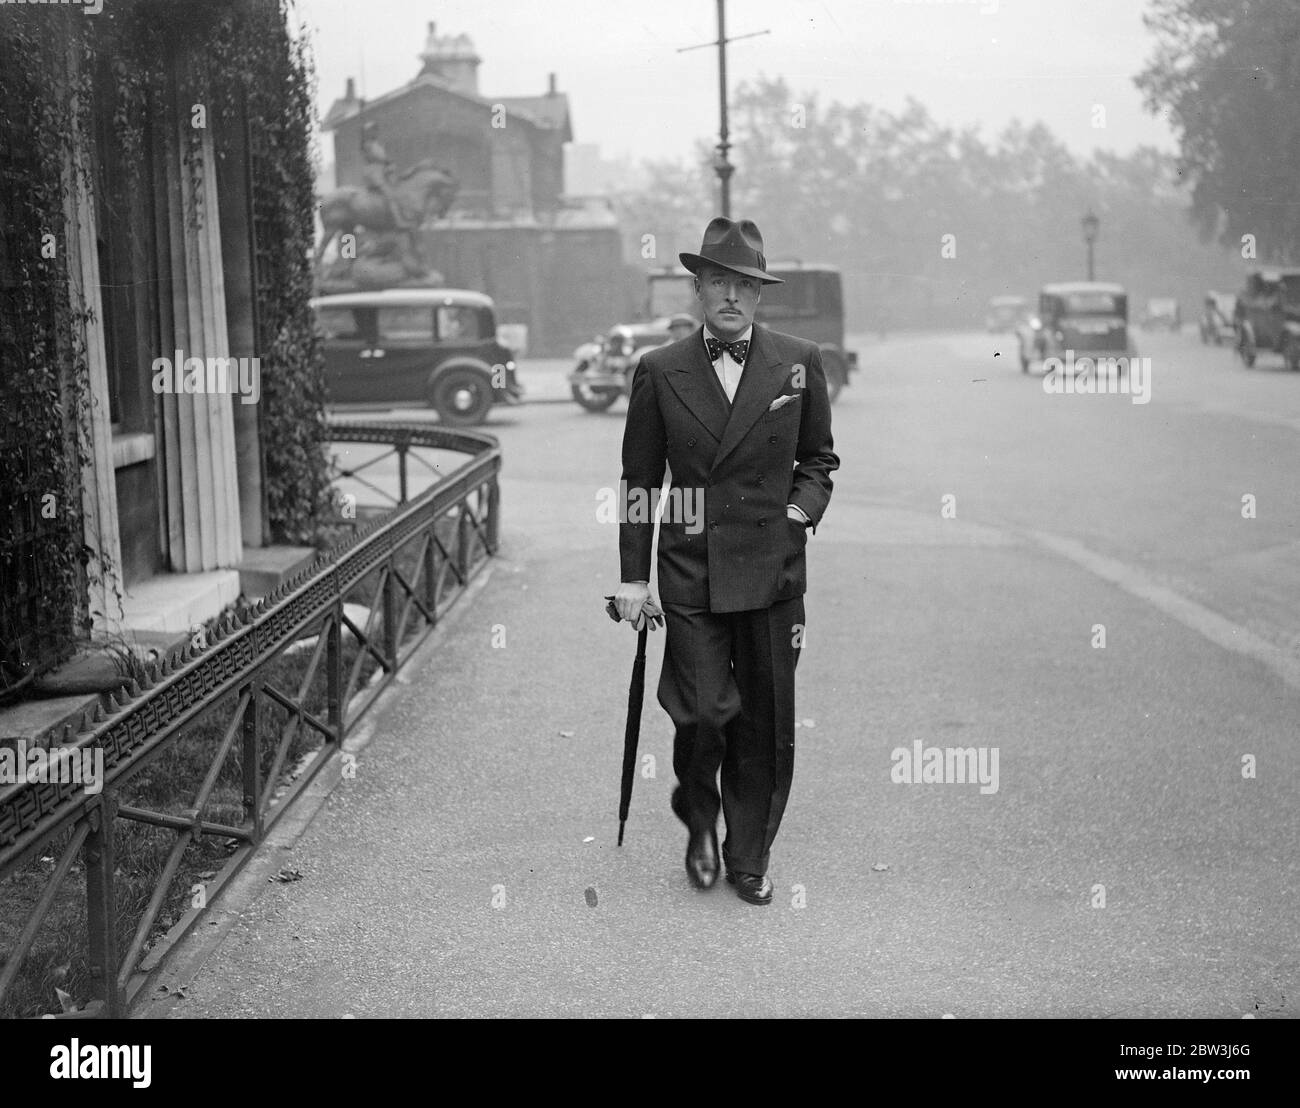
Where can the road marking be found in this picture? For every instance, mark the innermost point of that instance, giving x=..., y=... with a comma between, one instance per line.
x=1219, y=630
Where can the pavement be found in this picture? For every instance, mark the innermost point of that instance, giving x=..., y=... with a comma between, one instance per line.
x=1125, y=864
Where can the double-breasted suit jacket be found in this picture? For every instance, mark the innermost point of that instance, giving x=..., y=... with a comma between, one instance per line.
x=741, y=463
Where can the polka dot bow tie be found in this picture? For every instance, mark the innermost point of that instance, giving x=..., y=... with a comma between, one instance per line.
x=737, y=349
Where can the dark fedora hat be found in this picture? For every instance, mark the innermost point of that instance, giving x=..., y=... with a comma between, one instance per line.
x=736, y=245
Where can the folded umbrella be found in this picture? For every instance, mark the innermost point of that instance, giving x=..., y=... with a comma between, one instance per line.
x=635, y=698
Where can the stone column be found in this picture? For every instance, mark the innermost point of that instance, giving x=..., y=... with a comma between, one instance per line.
x=234, y=187
x=197, y=459
x=98, y=488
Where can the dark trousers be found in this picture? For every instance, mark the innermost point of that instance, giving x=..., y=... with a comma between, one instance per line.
x=728, y=686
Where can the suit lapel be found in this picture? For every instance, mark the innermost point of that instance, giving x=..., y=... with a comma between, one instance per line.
x=696, y=385
x=764, y=375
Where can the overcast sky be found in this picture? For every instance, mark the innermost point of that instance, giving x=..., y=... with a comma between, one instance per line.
x=979, y=62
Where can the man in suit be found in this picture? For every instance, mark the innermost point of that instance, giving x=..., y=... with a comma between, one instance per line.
x=741, y=417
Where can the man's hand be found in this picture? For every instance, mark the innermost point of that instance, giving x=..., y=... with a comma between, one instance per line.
x=633, y=601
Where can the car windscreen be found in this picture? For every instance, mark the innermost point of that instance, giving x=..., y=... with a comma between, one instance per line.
x=670, y=295
x=1093, y=303
x=794, y=298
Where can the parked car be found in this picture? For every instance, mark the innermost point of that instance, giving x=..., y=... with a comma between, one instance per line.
x=415, y=346
x=1088, y=318
x=1161, y=311
x=603, y=367
x=1216, y=318
x=1267, y=316
x=1005, y=313
x=809, y=304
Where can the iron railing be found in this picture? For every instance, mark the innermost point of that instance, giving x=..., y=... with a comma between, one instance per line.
x=410, y=564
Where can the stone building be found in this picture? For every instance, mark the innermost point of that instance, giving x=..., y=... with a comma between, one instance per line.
x=552, y=264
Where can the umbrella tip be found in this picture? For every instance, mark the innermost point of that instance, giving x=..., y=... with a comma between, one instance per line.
x=621, y=824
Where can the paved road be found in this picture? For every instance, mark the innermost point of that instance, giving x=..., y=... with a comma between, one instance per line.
x=470, y=869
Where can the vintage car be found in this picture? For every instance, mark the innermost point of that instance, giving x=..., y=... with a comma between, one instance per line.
x=1006, y=312
x=1216, y=318
x=809, y=303
x=415, y=346
x=1161, y=311
x=1267, y=316
x=602, y=372
x=1085, y=319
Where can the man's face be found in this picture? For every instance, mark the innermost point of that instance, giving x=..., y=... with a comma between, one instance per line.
x=728, y=298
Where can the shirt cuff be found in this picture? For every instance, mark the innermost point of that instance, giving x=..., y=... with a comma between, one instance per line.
x=801, y=512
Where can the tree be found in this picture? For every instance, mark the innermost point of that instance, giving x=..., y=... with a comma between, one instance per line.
x=924, y=221
x=1228, y=74
x=666, y=212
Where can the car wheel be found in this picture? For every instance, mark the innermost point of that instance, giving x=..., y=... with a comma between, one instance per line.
x=462, y=397
x=593, y=400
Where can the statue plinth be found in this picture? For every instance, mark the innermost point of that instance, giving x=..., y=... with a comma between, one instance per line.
x=384, y=260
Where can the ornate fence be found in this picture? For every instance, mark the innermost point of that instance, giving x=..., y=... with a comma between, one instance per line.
x=56, y=838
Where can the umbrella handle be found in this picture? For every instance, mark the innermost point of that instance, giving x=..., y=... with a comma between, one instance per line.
x=656, y=613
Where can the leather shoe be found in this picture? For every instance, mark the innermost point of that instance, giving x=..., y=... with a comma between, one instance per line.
x=702, y=863
x=756, y=888
x=702, y=858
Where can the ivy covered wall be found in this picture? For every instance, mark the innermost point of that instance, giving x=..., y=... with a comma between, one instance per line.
x=91, y=99
x=42, y=363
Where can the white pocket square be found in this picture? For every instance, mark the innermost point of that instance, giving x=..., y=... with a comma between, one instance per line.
x=781, y=402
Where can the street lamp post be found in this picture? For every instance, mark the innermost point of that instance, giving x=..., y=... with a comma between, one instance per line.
x=721, y=162
x=722, y=165
x=1090, y=226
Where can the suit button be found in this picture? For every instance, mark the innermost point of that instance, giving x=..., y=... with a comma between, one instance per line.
x=690, y=442
x=762, y=523
x=761, y=478
x=713, y=526
x=771, y=438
